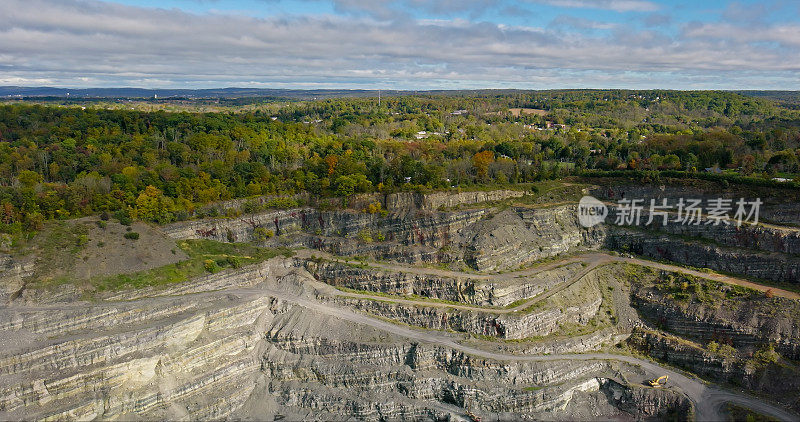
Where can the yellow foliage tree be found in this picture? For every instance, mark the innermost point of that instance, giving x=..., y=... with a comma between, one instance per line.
x=152, y=205
x=481, y=162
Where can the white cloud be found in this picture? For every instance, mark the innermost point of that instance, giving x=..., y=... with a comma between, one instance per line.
x=615, y=5
x=785, y=34
x=108, y=44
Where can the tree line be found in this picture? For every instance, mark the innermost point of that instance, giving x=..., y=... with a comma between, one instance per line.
x=63, y=162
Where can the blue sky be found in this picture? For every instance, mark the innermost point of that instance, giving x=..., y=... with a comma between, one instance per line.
x=402, y=44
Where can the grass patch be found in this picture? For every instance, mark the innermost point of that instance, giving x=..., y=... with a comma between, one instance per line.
x=200, y=252
x=57, y=246
x=741, y=413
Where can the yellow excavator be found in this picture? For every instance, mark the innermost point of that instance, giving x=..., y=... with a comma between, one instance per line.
x=658, y=382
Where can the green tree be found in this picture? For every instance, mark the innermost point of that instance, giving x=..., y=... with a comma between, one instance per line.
x=29, y=178
x=153, y=206
x=345, y=186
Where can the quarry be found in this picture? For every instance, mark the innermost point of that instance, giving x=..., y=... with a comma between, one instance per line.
x=459, y=305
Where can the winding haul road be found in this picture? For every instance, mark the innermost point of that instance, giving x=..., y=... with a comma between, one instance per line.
x=592, y=260
x=707, y=398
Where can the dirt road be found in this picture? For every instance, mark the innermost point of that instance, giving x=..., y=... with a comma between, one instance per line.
x=592, y=259
x=708, y=399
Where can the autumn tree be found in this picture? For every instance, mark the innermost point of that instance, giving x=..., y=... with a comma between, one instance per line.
x=481, y=162
x=153, y=206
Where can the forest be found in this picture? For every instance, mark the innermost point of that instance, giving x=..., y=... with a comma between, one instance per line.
x=62, y=160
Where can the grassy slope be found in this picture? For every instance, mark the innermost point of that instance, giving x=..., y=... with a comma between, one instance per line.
x=199, y=251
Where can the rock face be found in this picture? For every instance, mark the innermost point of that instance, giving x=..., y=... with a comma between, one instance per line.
x=12, y=275
x=516, y=237
x=767, y=266
x=466, y=335
x=485, y=240
x=780, y=382
x=245, y=352
x=781, y=206
x=399, y=202
x=495, y=239
x=721, y=333
x=648, y=402
x=745, y=322
x=475, y=290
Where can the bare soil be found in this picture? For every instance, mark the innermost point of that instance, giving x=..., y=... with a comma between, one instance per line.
x=108, y=252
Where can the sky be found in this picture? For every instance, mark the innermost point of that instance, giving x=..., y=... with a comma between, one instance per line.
x=401, y=44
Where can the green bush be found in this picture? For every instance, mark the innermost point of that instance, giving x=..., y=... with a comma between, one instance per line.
x=726, y=351
x=261, y=234
x=211, y=266
x=281, y=202
x=250, y=206
x=82, y=240
x=123, y=217
x=365, y=236
x=766, y=355
x=234, y=261
x=132, y=235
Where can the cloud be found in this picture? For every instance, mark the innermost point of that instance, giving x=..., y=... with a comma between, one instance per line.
x=614, y=5
x=94, y=43
x=785, y=35
x=567, y=22
x=391, y=10
x=657, y=19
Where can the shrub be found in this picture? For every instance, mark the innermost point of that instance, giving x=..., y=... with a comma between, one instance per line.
x=211, y=266
x=281, y=202
x=182, y=215
x=234, y=261
x=365, y=236
x=261, y=234
x=82, y=240
x=766, y=355
x=132, y=235
x=374, y=208
x=726, y=351
x=34, y=221
x=123, y=217
x=250, y=206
